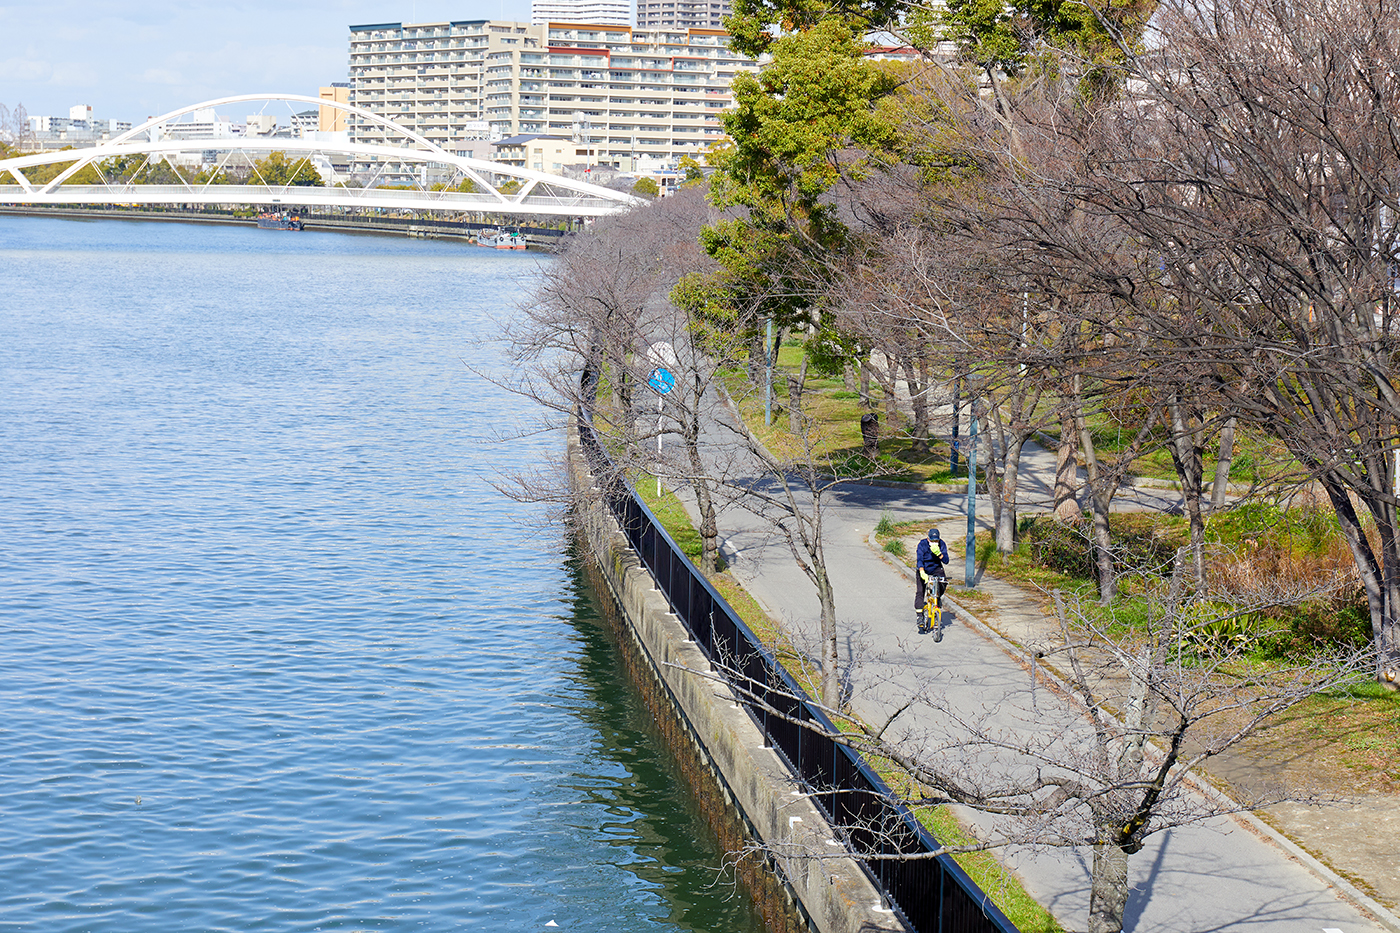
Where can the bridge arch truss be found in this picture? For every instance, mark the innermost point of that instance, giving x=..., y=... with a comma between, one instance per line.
x=532, y=193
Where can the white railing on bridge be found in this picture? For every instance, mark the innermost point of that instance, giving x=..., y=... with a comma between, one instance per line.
x=577, y=205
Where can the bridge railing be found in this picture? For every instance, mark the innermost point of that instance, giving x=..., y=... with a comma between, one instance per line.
x=931, y=894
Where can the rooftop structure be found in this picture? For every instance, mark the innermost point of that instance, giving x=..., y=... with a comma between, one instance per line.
x=686, y=14
x=606, y=12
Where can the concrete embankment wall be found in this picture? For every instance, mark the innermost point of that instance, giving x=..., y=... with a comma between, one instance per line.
x=425, y=227
x=833, y=894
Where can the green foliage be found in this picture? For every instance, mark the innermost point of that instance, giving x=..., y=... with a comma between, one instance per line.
x=465, y=186
x=1056, y=546
x=278, y=171
x=896, y=548
x=1302, y=630
x=693, y=173
x=886, y=525
x=859, y=465
x=43, y=174
x=813, y=99
x=1142, y=542
x=646, y=188
x=1211, y=629
x=1024, y=36
x=750, y=22
x=1302, y=532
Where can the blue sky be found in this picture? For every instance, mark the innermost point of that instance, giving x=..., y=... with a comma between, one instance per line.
x=131, y=60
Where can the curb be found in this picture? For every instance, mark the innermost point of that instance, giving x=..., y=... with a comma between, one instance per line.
x=1348, y=891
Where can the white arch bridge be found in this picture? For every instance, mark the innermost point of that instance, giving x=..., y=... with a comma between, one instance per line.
x=158, y=140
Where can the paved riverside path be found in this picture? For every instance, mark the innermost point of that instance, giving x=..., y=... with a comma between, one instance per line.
x=1214, y=876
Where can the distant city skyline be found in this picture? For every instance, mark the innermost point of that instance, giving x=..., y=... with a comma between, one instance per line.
x=131, y=63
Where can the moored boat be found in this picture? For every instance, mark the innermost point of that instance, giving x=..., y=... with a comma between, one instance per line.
x=501, y=239
x=280, y=220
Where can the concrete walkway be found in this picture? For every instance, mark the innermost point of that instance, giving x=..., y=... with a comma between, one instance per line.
x=1226, y=873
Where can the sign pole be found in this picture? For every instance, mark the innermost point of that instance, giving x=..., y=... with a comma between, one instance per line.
x=662, y=380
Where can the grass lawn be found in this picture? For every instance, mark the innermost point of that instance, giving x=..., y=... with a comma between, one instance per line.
x=836, y=412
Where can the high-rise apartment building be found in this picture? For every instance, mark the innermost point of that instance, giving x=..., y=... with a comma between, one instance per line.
x=626, y=93
x=329, y=119
x=686, y=14
x=604, y=12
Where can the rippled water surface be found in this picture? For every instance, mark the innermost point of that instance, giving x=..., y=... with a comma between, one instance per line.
x=274, y=655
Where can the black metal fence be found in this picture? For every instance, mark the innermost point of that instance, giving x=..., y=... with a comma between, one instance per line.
x=933, y=895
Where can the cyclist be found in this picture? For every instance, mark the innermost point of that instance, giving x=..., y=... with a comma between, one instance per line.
x=930, y=556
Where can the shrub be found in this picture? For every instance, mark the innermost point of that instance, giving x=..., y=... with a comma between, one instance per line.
x=886, y=524
x=857, y=465
x=1142, y=542
x=1057, y=546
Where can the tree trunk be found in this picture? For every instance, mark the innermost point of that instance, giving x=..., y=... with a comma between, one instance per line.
x=870, y=435
x=1006, y=520
x=1222, y=465
x=704, y=501
x=1369, y=569
x=1099, y=500
x=918, y=399
x=1185, y=447
x=993, y=427
x=1108, y=894
x=1387, y=636
x=796, y=383
x=889, y=384
x=1066, y=474
x=831, y=658
x=953, y=439
x=866, y=401
x=758, y=357
x=622, y=391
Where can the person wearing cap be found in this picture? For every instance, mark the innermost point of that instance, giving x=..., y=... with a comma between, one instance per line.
x=930, y=556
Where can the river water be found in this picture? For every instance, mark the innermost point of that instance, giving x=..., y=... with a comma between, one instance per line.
x=274, y=654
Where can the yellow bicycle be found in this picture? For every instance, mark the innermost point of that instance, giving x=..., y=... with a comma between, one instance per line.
x=932, y=620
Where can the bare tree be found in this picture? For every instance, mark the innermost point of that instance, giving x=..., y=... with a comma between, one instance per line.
x=596, y=323
x=1107, y=757
x=1249, y=182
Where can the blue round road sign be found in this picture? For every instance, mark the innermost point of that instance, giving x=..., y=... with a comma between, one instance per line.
x=661, y=380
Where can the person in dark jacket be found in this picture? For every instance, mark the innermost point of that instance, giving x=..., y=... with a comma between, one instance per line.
x=930, y=557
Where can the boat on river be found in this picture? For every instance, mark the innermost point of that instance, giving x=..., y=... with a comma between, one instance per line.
x=500, y=239
x=280, y=220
